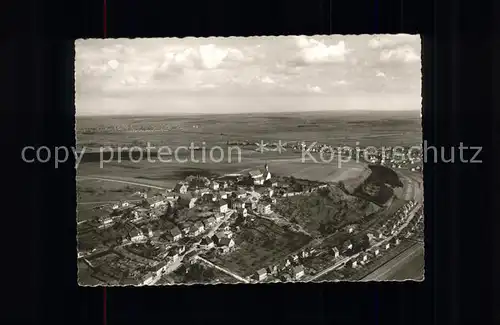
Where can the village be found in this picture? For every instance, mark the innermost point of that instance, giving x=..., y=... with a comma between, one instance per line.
x=179, y=234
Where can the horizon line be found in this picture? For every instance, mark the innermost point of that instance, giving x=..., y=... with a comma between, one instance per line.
x=244, y=113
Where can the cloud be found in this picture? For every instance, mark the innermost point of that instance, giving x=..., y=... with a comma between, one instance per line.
x=113, y=64
x=313, y=51
x=245, y=66
x=341, y=83
x=403, y=54
x=392, y=41
x=267, y=80
x=314, y=89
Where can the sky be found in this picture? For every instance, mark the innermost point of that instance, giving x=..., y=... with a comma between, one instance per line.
x=247, y=74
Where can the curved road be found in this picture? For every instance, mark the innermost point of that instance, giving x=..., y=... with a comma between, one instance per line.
x=118, y=181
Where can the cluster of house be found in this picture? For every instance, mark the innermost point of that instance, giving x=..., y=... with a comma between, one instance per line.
x=416, y=225
x=387, y=158
x=390, y=227
x=290, y=269
x=368, y=255
x=257, y=193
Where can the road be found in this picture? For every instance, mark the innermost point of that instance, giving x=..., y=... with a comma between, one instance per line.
x=214, y=229
x=105, y=202
x=234, y=275
x=118, y=181
x=391, y=267
x=331, y=268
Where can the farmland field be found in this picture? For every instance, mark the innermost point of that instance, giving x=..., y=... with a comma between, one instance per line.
x=332, y=128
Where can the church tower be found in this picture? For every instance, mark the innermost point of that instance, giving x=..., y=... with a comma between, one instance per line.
x=267, y=174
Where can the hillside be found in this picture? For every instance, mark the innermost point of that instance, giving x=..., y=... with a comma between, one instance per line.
x=321, y=213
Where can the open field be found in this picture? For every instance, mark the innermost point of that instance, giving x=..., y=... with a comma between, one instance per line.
x=391, y=263
x=200, y=273
x=90, y=190
x=412, y=268
x=260, y=244
x=333, y=127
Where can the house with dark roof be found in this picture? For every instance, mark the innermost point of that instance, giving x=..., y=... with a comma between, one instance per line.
x=242, y=212
x=226, y=242
x=185, y=228
x=175, y=233
x=271, y=183
x=222, y=206
x=209, y=222
x=214, y=185
x=197, y=228
x=347, y=245
x=173, y=255
x=273, y=269
x=202, y=191
x=217, y=238
x=207, y=243
x=256, y=173
x=181, y=188
x=395, y=241
x=237, y=203
x=222, y=184
x=136, y=234
x=240, y=193
x=264, y=207
x=159, y=268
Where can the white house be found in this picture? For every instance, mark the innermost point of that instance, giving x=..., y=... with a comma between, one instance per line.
x=227, y=242
x=264, y=208
x=347, y=245
x=136, y=235
x=298, y=272
x=181, y=188
x=148, y=278
x=214, y=186
x=261, y=274
x=243, y=212
x=336, y=252
x=387, y=246
x=354, y=264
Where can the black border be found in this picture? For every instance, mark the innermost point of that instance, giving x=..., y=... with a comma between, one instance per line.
x=39, y=207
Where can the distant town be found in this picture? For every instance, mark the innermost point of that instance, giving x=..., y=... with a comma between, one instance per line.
x=256, y=227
